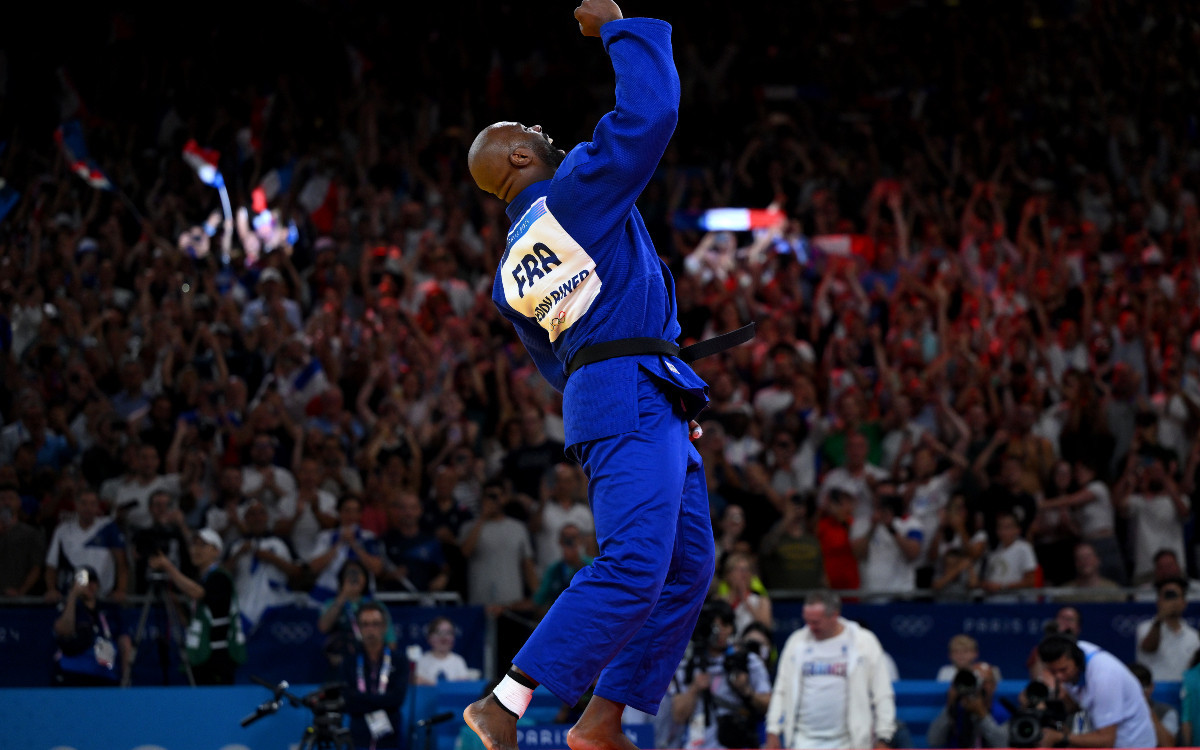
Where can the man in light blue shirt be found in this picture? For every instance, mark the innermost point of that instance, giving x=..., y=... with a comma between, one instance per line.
x=1103, y=686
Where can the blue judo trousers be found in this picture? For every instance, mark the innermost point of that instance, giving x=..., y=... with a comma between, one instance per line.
x=580, y=269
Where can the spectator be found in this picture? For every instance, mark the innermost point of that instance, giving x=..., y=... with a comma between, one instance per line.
x=414, y=560
x=821, y=697
x=262, y=479
x=1103, y=687
x=338, y=615
x=837, y=548
x=349, y=541
x=1092, y=508
x=1166, y=567
x=167, y=534
x=558, y=576
x=888, y=561
x=376, y=681
x=130, y=494
x=440, y=662
x=1054, y=535
x=740, y=587
x=88, y=540
x=963, y=651
x=224, y=514
x=856, y=477
x=216, y=643
x=262, y=565
x=525, y=466
x=1148, y=496
x=1012, y=565
x=93, y=648
x=1088, y=585
x=720, y=706
x=1164, y=715
x=499, y=555
x=22, y=547
x=790, y=554
x=1006, y=494
x=565, y=503
x=303, y=514
x=956, y=548
x=1166, y=643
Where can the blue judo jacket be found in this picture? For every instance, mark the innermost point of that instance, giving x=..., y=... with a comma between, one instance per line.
x=579, y=267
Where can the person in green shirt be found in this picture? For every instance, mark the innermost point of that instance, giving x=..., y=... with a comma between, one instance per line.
x=558, y=576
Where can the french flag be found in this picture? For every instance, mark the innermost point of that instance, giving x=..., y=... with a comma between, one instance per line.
x=845, y=245
x=730, y=219
x=277, y=182
x=319, y=197
x=69, y=137
x=204, y=161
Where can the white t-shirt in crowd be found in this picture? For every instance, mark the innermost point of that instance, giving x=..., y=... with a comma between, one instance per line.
x=1174, y=654
x=886, y=568
x=450, y=668
x=554, y=518
x=305, y=531
x=821, y=712
x=72, y=547
x=1156, y=526
x=1095, y=518
x=1009, y=564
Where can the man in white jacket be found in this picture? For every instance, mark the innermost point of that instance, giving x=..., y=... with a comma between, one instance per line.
x=833, y=689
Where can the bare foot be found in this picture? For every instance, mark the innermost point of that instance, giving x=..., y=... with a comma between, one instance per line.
x=600, y=727
x=496, y=727
x=582, y=737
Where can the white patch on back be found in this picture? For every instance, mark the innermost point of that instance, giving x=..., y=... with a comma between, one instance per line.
x=547, y=275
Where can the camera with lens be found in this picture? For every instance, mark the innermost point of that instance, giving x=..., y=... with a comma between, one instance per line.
x=1040, y=712
x=965, y=684
x=737, y=661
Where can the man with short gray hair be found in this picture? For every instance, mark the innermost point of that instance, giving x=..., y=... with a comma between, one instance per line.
x=833, y=688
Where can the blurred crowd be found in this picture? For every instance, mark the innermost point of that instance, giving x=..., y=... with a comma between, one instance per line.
x=977, y=366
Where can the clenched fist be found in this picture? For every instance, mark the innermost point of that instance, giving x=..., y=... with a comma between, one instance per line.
x=592, y=14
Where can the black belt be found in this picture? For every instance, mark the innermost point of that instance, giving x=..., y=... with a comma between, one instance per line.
x=629, y=347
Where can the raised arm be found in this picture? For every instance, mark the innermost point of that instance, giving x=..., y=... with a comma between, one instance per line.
x=614, y=167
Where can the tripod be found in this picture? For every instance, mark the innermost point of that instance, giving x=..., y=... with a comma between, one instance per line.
x=326, y=731
x=174, y=630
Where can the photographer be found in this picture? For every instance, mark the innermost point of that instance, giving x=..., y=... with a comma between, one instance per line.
x=1101, y=685
x=966, y=719
x=93, y=648
x=167, y=534
x=721, y=693
x=1165, y=644
x=376, y=681
x=215, y=641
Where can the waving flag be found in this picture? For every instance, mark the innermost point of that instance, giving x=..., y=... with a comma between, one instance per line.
x=204, y=161
x=319, y=197
x=729, y=219
x=69, y=137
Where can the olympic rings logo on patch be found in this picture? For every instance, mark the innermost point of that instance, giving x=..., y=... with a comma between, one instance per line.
x=558, y=319
x=911, y=626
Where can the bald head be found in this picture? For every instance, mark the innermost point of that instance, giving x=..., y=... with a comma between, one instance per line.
x=507, y=157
